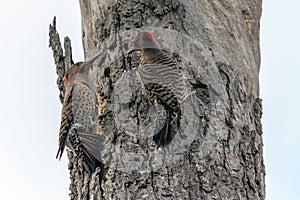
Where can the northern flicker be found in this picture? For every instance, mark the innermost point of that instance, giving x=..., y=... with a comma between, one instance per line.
x=162, y=83
x=79, y=118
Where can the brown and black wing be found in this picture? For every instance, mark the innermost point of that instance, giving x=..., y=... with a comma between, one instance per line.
x=67, y=117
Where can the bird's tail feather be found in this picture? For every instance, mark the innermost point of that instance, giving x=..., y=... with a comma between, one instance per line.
x=87, y=147
x=92, y=148
x=89, y=162
x=61, y=148
x=171, y=126
x=164, y=136
x=92, y=143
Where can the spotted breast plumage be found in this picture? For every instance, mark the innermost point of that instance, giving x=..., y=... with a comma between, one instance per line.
x=79, y=118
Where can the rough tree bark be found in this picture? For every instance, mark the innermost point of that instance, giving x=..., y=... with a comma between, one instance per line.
x=219, y=155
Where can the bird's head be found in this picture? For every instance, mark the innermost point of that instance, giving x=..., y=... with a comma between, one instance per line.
x=71, y=73
x=144, y=41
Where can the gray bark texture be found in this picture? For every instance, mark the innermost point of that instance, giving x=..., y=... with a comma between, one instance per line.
x=218, y=152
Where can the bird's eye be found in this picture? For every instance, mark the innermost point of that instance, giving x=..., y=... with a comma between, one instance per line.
x=67, y=78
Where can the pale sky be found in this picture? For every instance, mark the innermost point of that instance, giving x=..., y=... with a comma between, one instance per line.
x=30, y=108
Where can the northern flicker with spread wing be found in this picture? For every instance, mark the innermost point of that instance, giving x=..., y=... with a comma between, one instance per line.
x=79, y=118
x=162, y=83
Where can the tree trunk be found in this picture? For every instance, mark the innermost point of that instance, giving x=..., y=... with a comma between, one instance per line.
x=218, y=152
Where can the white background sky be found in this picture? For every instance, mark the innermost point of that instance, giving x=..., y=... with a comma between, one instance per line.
x=30, y=109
